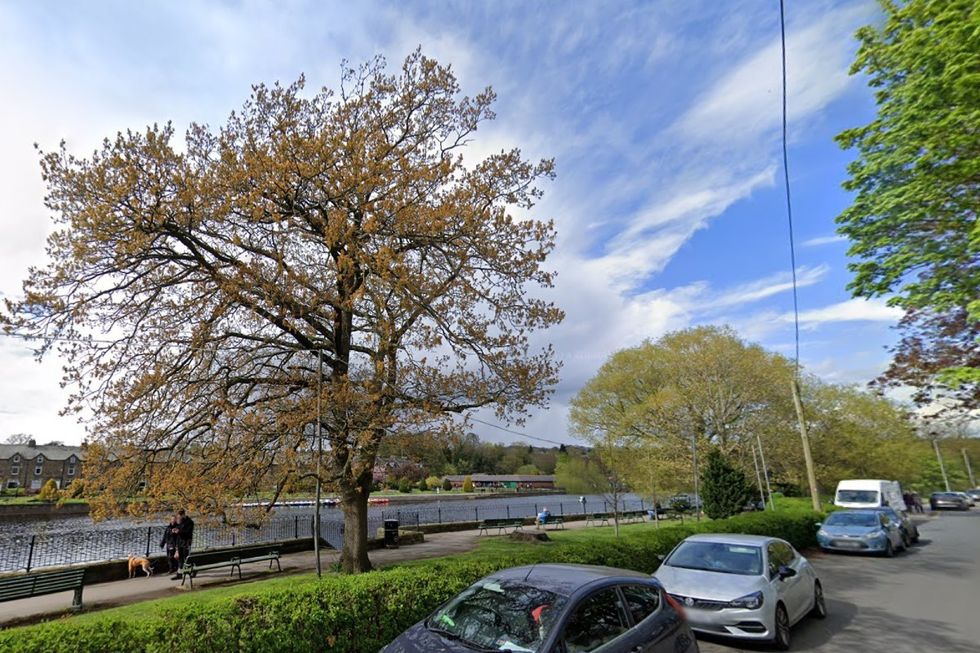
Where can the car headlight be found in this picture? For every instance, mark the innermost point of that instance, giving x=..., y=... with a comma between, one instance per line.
x=749, y=601
x=870, y=535
x=822, y=533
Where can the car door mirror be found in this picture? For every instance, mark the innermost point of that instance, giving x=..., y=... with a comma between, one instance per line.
x=660, y=558
x=786, y=572
x=819, y=524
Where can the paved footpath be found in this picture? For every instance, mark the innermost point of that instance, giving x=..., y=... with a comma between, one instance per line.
x=141, y=588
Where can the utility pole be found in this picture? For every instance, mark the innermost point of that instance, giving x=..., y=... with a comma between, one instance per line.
x=697, y=496
x=810, y=474
x=942, y=465
x=758, y=477
x=969, y=468
x=765, y=472
x=319, y=457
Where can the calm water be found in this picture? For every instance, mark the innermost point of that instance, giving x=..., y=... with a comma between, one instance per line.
x=74, y=540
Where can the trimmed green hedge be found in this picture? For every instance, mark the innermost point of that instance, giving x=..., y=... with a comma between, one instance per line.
x=359, y=614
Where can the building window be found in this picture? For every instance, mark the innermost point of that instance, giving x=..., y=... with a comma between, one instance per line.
x=16, y=459
x=12, y=485
x=40, y=459
x=71, y=470
x=15, y=470
x=38, y=469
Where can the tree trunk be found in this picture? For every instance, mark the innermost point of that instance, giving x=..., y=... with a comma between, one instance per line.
x=353, y=557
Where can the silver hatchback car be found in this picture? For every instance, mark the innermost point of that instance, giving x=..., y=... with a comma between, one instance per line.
x=745, y=586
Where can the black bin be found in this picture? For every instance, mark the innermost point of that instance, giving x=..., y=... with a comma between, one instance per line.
x=391, y=533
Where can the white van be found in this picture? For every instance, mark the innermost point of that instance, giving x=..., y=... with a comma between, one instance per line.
x=869, y=493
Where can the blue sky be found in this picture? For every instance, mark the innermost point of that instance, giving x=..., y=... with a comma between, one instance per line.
x=663, y=118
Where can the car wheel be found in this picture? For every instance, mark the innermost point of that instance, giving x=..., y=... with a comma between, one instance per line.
x=906, y=542
x=889, y=549
x=915, y=536
x=819, y=604
x=781, y=637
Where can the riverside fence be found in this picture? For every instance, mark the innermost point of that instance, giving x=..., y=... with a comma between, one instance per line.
x=28, y=551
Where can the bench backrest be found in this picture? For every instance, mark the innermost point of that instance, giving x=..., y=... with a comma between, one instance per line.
x=21, y=587
x=224, y=555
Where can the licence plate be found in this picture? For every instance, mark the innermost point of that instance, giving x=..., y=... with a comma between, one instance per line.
x=847, y=544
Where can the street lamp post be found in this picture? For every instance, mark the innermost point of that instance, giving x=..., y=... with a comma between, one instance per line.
x=697, y=495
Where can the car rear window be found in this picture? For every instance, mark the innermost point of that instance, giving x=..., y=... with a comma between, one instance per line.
x=857, y=496
x=499, y=616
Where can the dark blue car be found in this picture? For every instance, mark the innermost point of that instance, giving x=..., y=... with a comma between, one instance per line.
x=555, y=609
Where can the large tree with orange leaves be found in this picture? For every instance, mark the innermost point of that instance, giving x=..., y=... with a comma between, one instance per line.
x=190, y=288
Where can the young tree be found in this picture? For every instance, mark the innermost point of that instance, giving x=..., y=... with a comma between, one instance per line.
x=190, y=289
x=447, y=485
x=603, y=473
x=49, y=491
x=724, y=488
x=468, y=484
x=913, y=223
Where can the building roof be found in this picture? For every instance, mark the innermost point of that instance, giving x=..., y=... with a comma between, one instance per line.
x=504, y=478
x=49, y=451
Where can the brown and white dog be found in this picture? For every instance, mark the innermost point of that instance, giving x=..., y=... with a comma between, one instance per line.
x=135, y=562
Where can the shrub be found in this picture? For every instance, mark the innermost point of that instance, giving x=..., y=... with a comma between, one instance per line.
x=423, y=485
x=405, y=486
x=468, y=484
x=433, y=482
x=447, y=485
x=359, y=614
x=49, y=492
x=724, y=488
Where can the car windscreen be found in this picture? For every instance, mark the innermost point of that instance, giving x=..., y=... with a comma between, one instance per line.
x=868, y=519
x=857, y=496
x=501, y=616
x=722, y=557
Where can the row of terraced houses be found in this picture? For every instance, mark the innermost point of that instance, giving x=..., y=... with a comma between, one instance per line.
x=30, y=466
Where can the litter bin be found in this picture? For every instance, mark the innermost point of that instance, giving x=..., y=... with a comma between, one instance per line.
x=391, y=533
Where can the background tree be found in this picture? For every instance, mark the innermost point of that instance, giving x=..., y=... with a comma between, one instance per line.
x=447, y=485
x=604, y=472
x=190, y=288
x=913, y=223
x=49, y=491
x=468, y=484
x=724, y=488
x=18, y=438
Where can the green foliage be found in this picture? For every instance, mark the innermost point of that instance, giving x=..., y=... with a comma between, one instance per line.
x=528, y=470
x=913, y=223
x=360, y=614
x=49, y=492
x=406, y=486
x=724, y=488
x=433, y=482
x=423, y=485
x=447, y=485
x=468, y=484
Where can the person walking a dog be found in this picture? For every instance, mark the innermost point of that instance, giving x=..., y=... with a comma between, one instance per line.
x=169, y=543
x=185, y=533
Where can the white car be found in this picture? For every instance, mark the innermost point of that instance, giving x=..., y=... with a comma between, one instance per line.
x=745, y=586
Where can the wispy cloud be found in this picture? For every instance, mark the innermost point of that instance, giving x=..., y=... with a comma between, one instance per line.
x=852, y=310
x=823, y=240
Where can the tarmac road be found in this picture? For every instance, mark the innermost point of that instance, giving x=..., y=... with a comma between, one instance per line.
x=924, y=600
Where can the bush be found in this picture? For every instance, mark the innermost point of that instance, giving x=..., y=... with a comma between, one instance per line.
x=423, y=485
x=468, y=484
x=447, y=485
x=358, y=614
x=49, y=492
x=405, y=486
x=724, y=488
x=433, y=482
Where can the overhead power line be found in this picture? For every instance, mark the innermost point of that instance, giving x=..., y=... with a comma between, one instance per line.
x=512, y=432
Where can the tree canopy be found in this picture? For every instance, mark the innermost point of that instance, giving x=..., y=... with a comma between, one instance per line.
x=190, y=288
x=913, y=222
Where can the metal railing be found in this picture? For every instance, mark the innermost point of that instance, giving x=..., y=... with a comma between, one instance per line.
x=466, y=511
x=55, y=549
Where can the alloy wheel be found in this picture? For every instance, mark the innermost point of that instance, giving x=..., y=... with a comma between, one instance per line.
x=819, y=604
x=781, y=640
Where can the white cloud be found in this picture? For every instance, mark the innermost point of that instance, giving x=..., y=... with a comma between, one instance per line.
x=823, y=240
x=852, y=310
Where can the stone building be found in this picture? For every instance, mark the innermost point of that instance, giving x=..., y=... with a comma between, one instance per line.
x=30, y=466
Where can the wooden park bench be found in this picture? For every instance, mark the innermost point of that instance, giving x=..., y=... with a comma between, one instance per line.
x=598, y=518
x=633, y=515
x=233, y=559
x=25, y=587
x=558, y=522
x=500, y=524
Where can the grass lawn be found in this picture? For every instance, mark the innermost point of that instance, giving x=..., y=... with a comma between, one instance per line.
x=32, y=500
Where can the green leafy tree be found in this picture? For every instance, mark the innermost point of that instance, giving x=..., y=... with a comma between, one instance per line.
x=528, y=470
x=604, y=472
x=725, y=489
x=405, y=485
x=447, y=485
x=913, y=223
x=468, y=484
x=433, y=482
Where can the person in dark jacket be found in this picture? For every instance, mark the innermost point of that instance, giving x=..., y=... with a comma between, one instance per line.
x=184, y=533
x=169, y=543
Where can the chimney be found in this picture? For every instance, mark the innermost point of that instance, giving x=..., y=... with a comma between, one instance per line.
x=32, y=443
